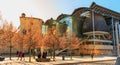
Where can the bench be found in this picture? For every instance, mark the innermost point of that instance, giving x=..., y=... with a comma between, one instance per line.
x=1, y=59
x=43, y=59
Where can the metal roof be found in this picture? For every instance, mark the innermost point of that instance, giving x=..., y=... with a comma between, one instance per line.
x=97, y=9
x=104, y=11
x=79, y=11
x=62, y=16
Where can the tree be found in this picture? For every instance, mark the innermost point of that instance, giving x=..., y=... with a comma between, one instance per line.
x=2, y=42
x=38, y=41
x=89, y=48
x=69, y=42
x=51, y=39
x=18, y=40
x=64, y=42
x=8, y=34
x=33, y=37
x=73, y=44
x=83, y=49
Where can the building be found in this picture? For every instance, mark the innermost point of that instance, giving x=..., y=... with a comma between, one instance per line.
x=93, y=23
x=30, y=25
x=49, y=24
x=65, y=24
x=95, y=19
x=30, y=22
x=98, y=18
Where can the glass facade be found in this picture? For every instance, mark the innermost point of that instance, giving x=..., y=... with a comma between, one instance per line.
x=68, y=21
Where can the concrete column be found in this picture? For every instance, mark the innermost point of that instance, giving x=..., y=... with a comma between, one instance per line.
x=93, y=23
x=113, y=35
x=117, y=38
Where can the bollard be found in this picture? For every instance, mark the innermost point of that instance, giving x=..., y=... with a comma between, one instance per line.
x=63, y=57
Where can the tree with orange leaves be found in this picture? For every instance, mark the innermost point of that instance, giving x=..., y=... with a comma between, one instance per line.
x=32, y=38
x=64, y=42
x=74, y=43
x=83, y=49
x=2, y=42
x=37, y=39
x=69, y=42
x=17, y=40
x=8, y=34
x=51, y=39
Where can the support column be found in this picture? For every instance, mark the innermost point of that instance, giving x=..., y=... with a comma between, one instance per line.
x=117, y=38
x=93, y=24
x=113, y=35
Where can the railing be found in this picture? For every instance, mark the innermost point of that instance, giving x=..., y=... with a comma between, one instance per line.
x=104, y=47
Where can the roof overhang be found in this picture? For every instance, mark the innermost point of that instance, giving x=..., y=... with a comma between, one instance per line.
x=97, y=9
x=62, y=16
x=80, y=11
x=104, y=11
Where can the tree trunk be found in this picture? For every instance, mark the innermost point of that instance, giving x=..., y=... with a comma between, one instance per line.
x=53, y=52
x=34, y=53
x=10, y=51
x=42, y=50
x=30, y=54
x=70, y=54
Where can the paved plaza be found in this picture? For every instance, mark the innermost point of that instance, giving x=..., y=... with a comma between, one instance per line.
x=76, y=60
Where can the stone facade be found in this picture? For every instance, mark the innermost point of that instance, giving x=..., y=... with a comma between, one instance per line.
x=30, y=25
x=30, y=22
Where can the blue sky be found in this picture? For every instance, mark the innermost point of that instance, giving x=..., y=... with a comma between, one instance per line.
x=68, y=6
x=45, y=9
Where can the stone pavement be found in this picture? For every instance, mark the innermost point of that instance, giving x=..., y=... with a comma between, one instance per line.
x=59, y=61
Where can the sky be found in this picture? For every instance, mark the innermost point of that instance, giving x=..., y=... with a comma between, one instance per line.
x=11, y=10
